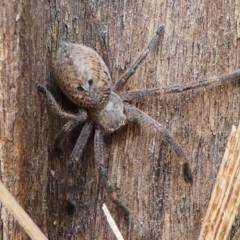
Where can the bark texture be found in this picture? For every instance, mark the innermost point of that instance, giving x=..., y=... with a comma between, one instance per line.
x=201, y=40
x=23, y=138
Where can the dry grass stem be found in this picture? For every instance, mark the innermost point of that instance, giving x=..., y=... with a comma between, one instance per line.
x=112, y=223
x=20, y=215
x=225, y=197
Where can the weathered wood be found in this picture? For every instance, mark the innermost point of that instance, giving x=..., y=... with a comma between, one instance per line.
x=200, y=41
x=23, y=140
x=225, y=199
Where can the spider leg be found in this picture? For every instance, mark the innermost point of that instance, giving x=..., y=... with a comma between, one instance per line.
x=66, y=128
x=81, y=142
x=211, y=82
x=123, y=80
x=100, y=155
x=73, y=165
x=134, y=114
x=130, y=95
x=81, y=117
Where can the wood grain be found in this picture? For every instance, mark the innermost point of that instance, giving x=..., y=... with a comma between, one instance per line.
x=201, y=41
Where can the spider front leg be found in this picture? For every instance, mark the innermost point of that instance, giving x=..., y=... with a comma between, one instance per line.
x=123, y=80
x=215, y=81
x=130, y=95
x=100, y=155
x=81, y=117
x=134, y=114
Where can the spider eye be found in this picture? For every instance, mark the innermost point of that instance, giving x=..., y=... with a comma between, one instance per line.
x=90, y=82
x=79, y=88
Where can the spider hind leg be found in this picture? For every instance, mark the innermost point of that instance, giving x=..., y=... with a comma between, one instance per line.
x=100, y=156
x=74, y=166
x=136, y=115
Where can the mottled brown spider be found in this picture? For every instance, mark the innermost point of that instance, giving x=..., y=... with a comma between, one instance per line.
x=84, y=78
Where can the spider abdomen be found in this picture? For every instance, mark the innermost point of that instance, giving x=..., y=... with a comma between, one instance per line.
x=82, y=75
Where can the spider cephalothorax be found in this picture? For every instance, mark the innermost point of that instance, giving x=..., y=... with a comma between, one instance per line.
x=85, y=80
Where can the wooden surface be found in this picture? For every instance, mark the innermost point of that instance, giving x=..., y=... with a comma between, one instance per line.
x=200, y=41
x=23, y=138
x=225, y=199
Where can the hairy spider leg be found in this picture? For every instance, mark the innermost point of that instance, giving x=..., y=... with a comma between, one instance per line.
x=131, y=95
x=81, y=117
x=64, y=131
x=100, y=155
x=123, y=79
x=81, y=142
x=212, y=82
x=231, y=76
x=73, y=165
x=136, y=115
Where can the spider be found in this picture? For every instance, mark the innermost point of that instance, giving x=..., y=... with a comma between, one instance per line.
x=84, y=78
